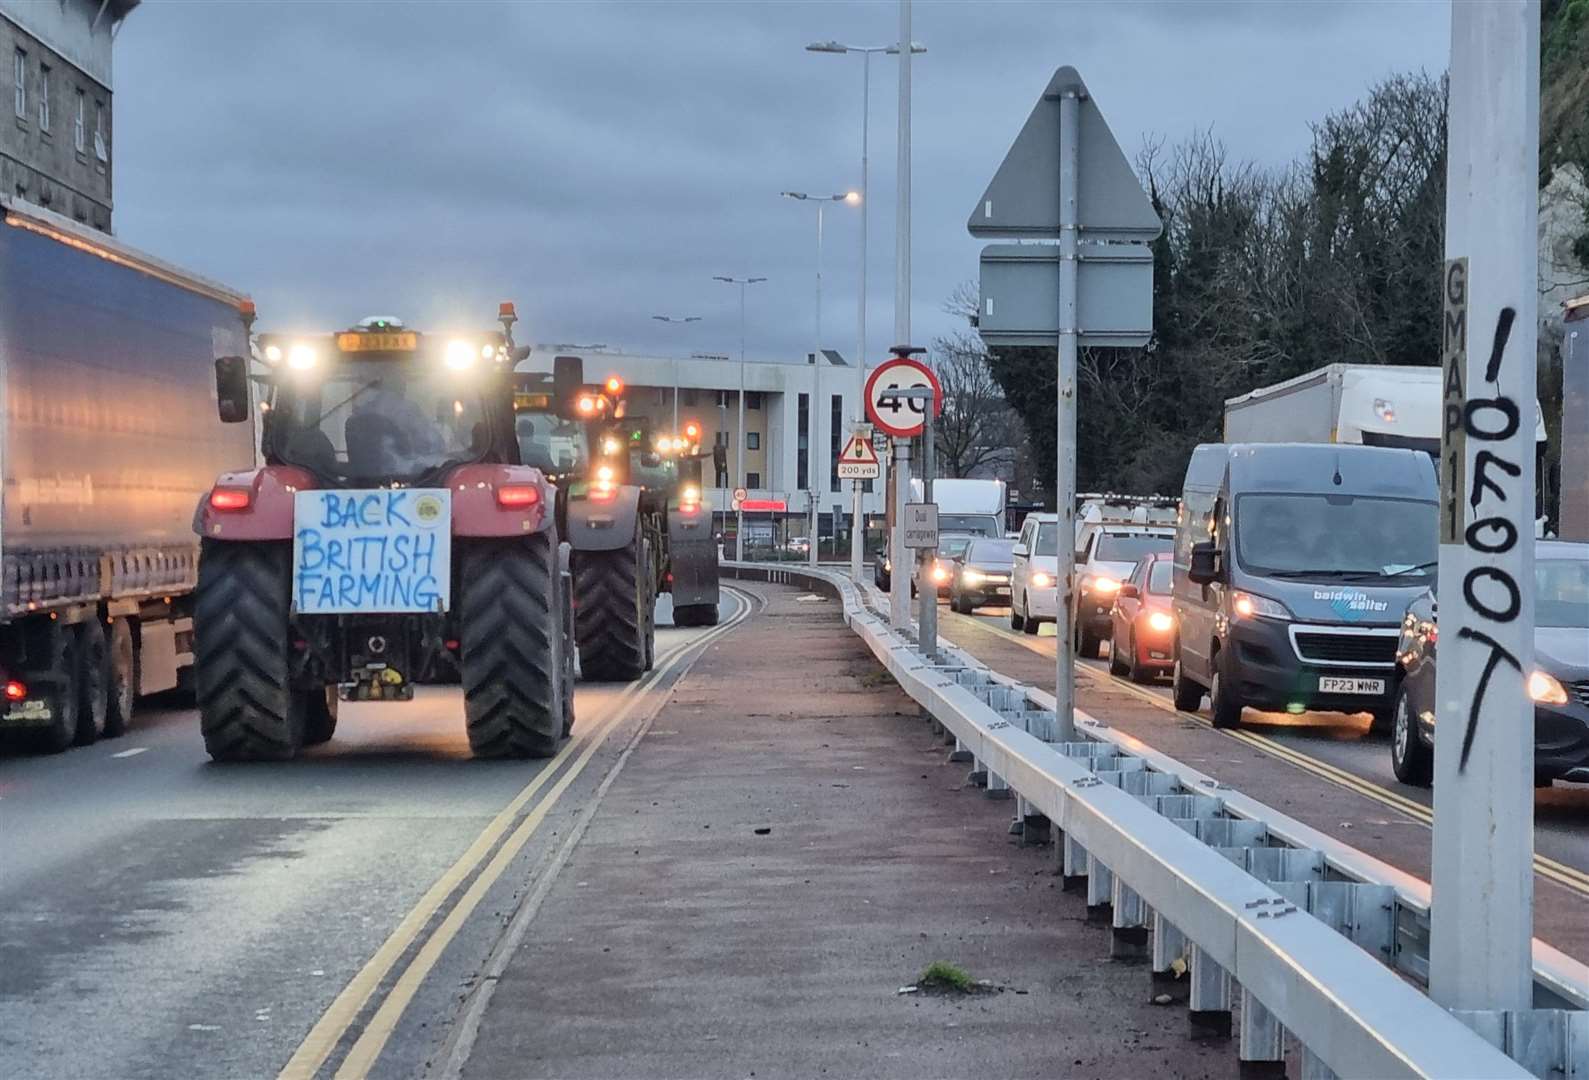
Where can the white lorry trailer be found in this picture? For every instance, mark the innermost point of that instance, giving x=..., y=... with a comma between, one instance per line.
x=1366, y=404
x=967, y=507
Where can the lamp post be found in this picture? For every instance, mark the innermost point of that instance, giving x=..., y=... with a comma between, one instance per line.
x=852, y=198
x=857, y=533
x=677, y=320
x=739, y=438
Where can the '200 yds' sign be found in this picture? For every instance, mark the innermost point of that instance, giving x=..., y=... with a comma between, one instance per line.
x=372, y=551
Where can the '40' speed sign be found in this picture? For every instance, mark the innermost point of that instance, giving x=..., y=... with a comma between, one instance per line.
x=887, y=408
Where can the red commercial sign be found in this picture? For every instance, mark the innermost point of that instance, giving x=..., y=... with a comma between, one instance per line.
x=764, y=505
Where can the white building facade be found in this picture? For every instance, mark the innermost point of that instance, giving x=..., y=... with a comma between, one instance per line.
x=787, y=449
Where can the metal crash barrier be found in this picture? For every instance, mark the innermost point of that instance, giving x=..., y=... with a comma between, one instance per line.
x=1253, y=912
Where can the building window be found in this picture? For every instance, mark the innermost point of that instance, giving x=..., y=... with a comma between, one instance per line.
x=753, y=399
x=835, y=444
x=101, y=148
x=803, y=445
x=689, y=398
x=752, y=440
x=80, y=124
x=753, y=480
x=19, y=68
x=44, y=97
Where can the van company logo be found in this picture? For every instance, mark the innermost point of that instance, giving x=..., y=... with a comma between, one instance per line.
x=1350, y=604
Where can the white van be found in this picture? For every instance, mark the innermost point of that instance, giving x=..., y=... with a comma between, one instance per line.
x=1034, y=575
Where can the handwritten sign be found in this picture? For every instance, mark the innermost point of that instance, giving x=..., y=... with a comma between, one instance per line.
x=372, y=551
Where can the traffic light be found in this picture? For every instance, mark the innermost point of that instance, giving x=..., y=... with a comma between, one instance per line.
x=720, y=457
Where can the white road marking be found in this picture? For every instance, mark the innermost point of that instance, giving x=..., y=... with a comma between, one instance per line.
x=135, y=751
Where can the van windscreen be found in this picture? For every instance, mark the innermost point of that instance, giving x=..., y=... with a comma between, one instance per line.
x=1353, y=537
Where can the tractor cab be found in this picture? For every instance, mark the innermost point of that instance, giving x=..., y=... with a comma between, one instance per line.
x=380, y=404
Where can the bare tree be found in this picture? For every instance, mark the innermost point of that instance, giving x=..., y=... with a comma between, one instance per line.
x=977, y=429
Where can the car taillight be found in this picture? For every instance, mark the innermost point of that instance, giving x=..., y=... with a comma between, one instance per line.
x=16, y=690
x=518, y=496
x=231, y=499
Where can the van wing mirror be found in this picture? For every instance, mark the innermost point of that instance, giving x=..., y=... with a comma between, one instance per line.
x=1019, y=551
x=1204, y=568
x=1128, y=590
x=231, y=389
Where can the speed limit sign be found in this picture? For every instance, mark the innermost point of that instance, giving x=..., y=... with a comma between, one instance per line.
x=887, y=408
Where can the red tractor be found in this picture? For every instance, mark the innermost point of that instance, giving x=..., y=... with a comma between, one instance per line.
x=391, y=534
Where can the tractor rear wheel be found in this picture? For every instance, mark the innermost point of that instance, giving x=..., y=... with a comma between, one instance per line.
x=611, y=613
x=511, y=637
x=247, y=710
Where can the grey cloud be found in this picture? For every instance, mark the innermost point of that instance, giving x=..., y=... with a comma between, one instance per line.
x=600, y=162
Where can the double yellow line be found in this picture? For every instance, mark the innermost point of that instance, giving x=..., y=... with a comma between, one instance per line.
x=1559, y=872
x=344, y=1011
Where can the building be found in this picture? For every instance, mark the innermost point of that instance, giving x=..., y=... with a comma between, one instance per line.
x=779, y=462
x=56, y=152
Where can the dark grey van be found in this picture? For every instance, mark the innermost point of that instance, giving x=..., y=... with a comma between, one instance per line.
x=1294, y=564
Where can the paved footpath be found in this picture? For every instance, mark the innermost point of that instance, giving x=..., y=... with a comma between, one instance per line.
x=783, y=851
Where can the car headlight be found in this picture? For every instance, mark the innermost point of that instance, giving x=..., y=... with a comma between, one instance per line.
x=1246, y=605
x=940, y=573
x=1041, y=580
x=1161, y=622
x=301, y=358
x=973, y=577
x=1546, y=689
x=1104, y=585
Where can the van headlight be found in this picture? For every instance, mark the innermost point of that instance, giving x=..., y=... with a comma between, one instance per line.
x=973, y=577
x=1246, y=605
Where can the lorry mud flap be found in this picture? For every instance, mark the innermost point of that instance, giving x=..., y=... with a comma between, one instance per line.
x=692, y=560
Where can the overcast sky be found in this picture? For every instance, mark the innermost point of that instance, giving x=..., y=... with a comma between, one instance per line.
x=599, y=163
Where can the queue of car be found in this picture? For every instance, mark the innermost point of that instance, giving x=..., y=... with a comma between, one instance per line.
x=1298, y=578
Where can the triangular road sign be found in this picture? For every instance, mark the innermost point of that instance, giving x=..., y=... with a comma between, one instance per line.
x=1023, y=199
x=859, y=451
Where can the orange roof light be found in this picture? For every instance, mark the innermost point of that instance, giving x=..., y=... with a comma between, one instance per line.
x=692, y=431
x=614, y=385
x=505, y=310
x=245, y=307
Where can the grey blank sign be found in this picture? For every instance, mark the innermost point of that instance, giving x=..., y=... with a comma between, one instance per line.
x=1020, y=294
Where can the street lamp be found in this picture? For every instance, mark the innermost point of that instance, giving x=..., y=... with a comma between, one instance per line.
x=850, y=198
x=680, y=320
x=857, y=533
x=739, y=439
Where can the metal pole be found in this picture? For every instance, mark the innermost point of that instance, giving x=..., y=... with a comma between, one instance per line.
x=899, y=591
x=857, y=511
x=927, y=588
x=1065, y=471
x=675, y=394
x=819, y=481
x=902, y=207
x=899, y=556
x=1481, y=917
x=739, y=443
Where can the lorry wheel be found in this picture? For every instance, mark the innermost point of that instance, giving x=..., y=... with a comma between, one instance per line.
x=1224, y=707
x=246, y=706
x=57, y=687
x=319, y=709
x=123, y=677
x=511, y=634
x=610, y=617
x=93, y=680
x=1187, y=694
x=651, y=613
